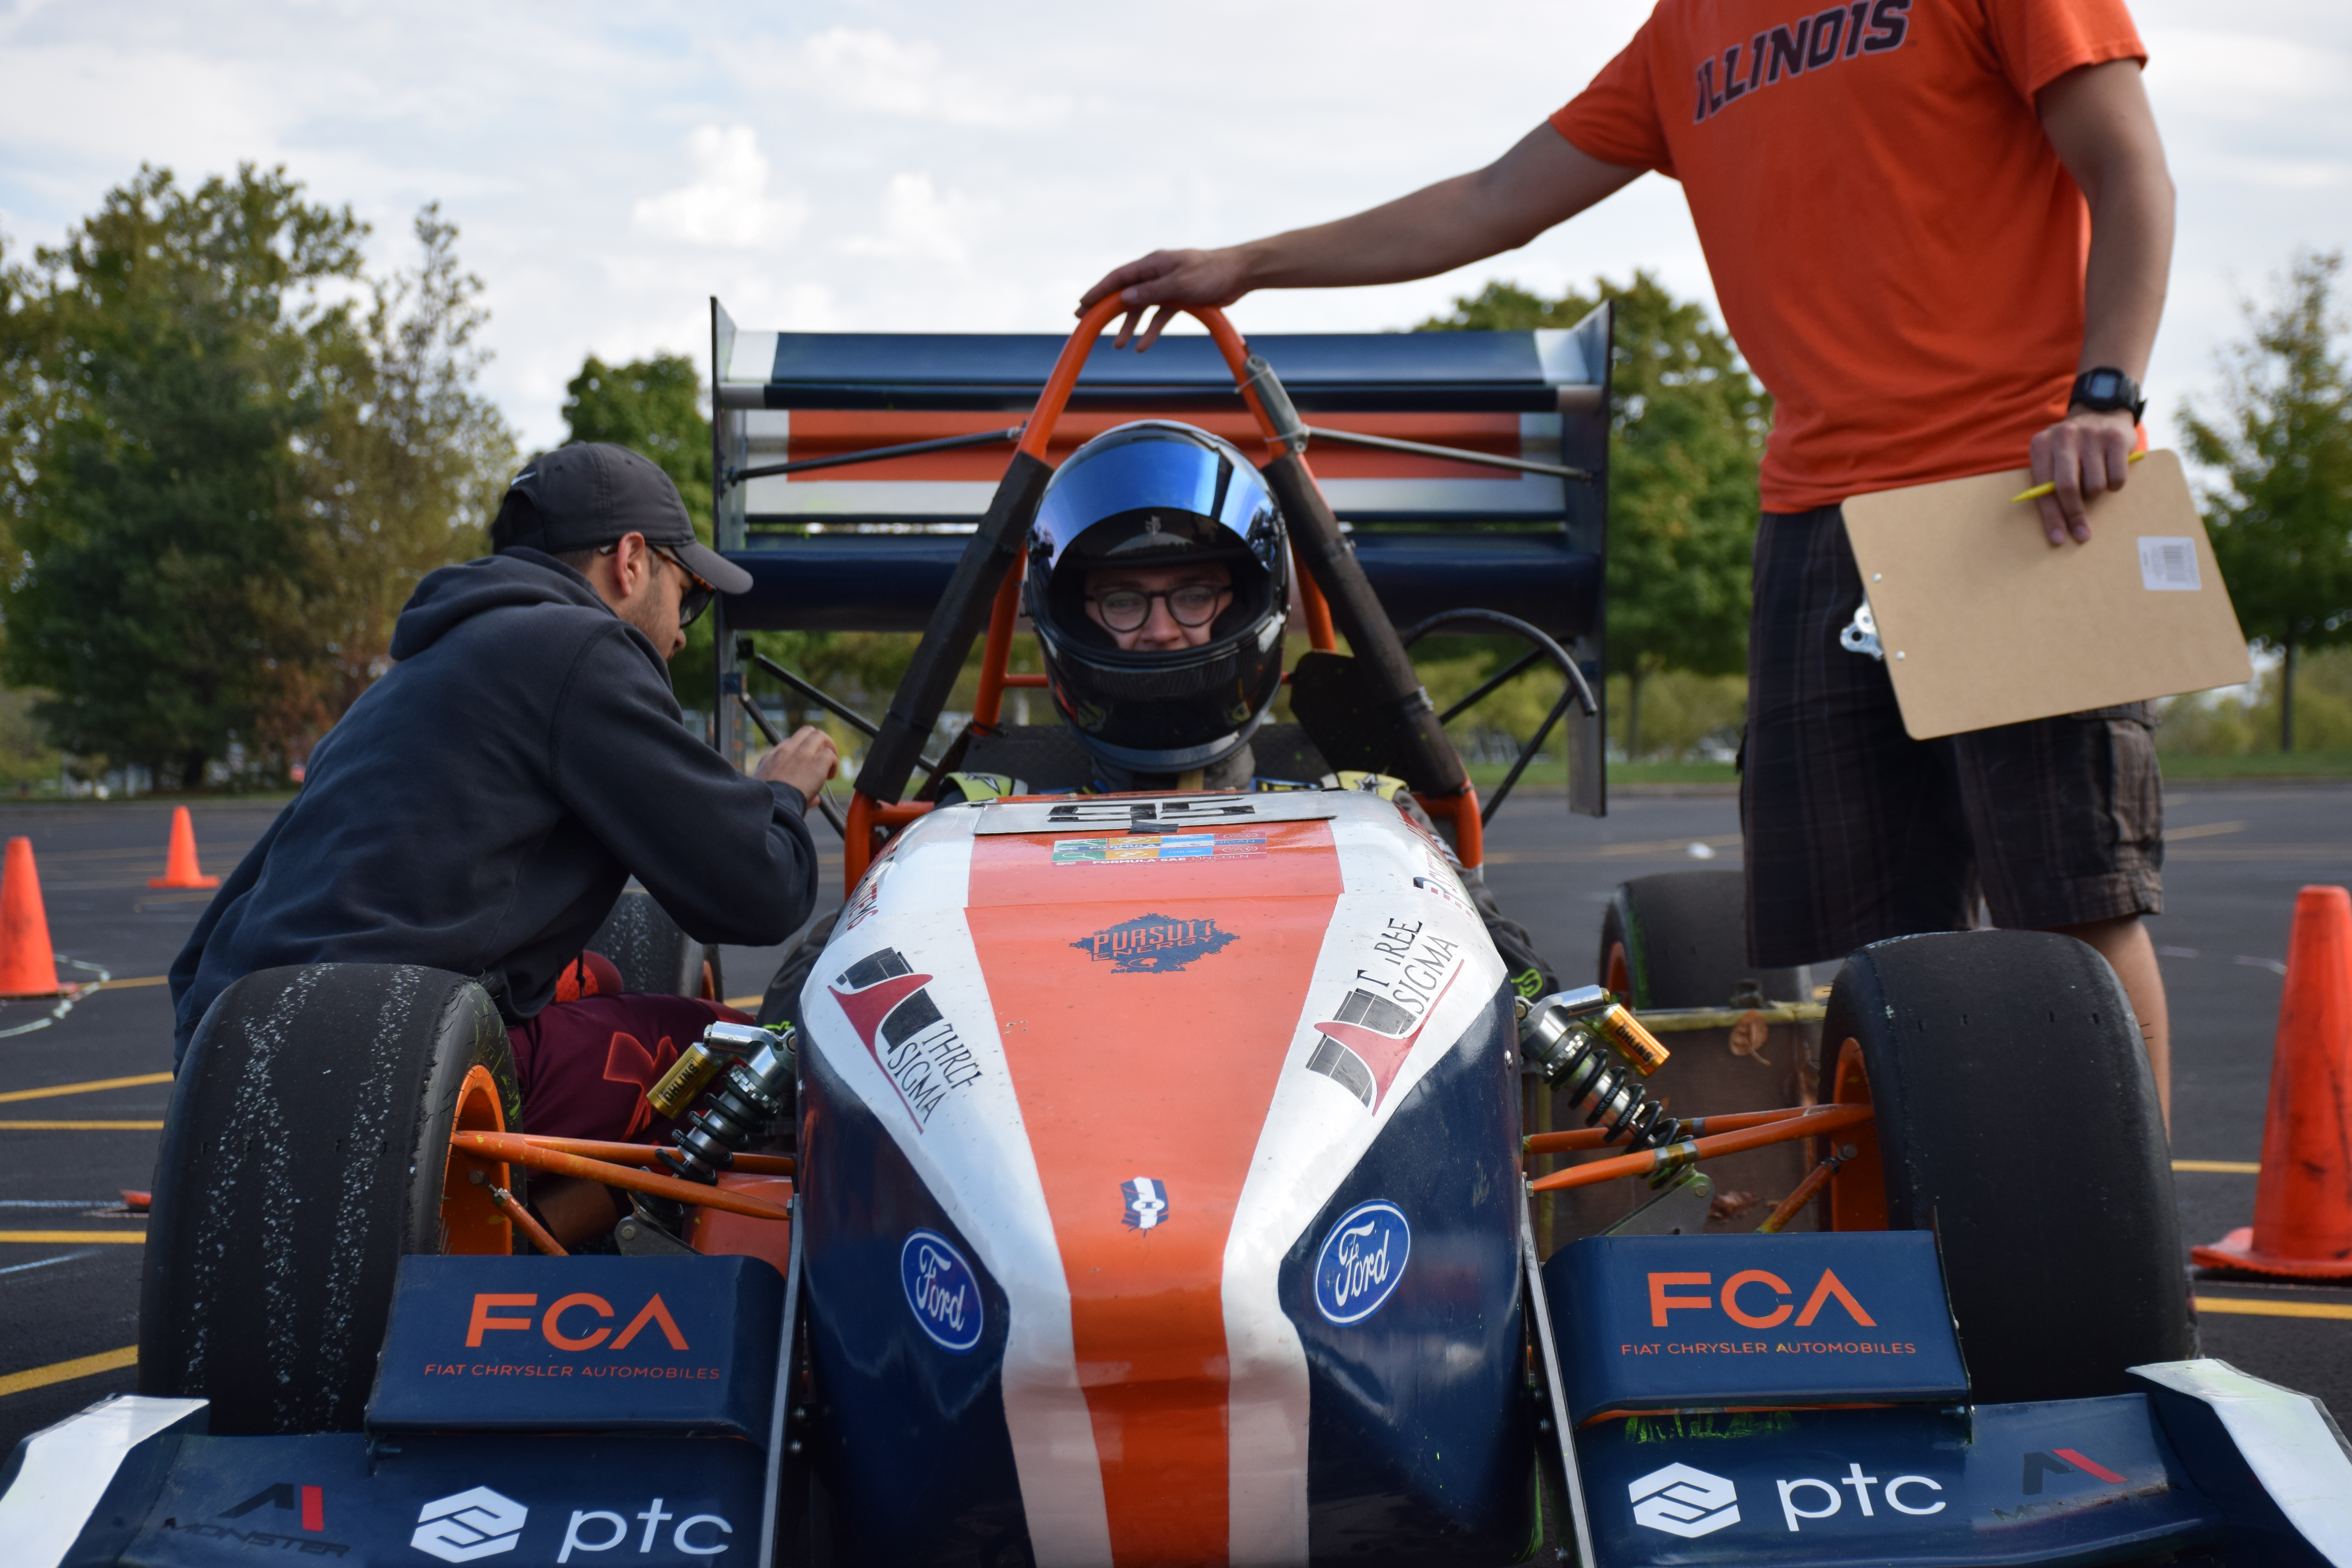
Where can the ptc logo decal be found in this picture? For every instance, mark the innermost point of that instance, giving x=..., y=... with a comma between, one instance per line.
x=1685, y=1501
x=1362, y=1261
x=468, y=1526
x=1147, y=1203
x=1154, y=945
x=942, y=1290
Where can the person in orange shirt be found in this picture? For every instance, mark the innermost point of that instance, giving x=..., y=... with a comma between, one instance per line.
x=1941, y=231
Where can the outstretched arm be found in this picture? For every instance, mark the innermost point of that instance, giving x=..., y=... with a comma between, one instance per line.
x=1542, y=181
x=2099, y=122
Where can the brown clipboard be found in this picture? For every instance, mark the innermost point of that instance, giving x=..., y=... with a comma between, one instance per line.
x=1983, y=622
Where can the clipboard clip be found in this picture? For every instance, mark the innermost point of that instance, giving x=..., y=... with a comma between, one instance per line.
x=1861, y=633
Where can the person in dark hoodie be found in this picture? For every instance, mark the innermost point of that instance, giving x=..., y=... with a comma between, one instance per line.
x=482, y=806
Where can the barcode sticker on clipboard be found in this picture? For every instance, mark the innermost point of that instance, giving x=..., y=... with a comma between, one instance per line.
x=2169, y=565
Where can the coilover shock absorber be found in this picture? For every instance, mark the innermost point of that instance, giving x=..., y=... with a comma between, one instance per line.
x=751, y=1089
x=1589, y=1046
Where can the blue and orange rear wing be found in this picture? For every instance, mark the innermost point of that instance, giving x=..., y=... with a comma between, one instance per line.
x=873, y=545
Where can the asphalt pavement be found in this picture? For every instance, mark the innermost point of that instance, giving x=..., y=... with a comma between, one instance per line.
x=69, y=1254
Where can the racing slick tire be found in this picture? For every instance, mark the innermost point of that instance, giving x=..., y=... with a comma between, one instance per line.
x=2017, y=1119
x=1679, y=939
x=653, y=954
x=305, y=1153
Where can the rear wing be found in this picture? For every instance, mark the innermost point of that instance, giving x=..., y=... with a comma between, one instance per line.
x=870, y=546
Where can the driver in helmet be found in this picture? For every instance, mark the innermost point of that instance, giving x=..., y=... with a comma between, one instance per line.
x=1159, y=582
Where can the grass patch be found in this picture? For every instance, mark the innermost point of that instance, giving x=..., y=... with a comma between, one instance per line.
x=2334, y=762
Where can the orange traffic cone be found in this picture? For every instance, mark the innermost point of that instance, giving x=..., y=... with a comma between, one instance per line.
x=28, y=967
x=180, y=867
x=2303, y=1199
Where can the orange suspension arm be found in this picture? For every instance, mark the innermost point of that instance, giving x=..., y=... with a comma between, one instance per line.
x=513, y=1146
x=1828, y=1119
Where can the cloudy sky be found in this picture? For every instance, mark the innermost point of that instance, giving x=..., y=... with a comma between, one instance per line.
x=918, y=165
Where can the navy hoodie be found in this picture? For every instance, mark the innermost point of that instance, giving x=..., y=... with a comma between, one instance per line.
x=480, y=809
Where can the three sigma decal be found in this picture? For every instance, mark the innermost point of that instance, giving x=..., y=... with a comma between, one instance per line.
x=905, y=1032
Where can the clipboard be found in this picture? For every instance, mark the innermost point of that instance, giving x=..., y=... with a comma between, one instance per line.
x=1983, y=622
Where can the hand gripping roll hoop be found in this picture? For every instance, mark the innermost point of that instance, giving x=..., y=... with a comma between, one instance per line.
x=752, y=1088
x=1588, y=1044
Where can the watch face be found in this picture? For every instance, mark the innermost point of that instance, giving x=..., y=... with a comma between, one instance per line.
x=2103, y=383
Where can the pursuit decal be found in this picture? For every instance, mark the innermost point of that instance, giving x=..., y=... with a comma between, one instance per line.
x=942, y=1290
x=1154, y=945
x=1361, y=1261
x=912, y=1042
x=1147, y=1203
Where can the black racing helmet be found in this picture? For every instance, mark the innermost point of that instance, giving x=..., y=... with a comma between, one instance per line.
x=1156, y=493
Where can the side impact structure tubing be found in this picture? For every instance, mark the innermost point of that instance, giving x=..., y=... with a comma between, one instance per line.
x=939, y=660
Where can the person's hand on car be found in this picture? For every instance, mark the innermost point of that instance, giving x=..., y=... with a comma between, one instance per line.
x=1170, y=280
x=804, y=761
x=2083, y=454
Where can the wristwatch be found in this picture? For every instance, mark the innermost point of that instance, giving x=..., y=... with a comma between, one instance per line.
x=2105, y=389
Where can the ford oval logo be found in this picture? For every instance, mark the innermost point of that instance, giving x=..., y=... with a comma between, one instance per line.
x=941, y=1289
x=1362, y=1261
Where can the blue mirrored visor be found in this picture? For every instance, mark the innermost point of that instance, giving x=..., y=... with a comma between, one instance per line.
x=1141, y=474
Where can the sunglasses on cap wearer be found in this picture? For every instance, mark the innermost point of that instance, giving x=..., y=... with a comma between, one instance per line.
x=1193, y=605
x=690, y=604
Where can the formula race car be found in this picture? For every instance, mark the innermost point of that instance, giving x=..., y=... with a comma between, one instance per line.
x=1172, y=1177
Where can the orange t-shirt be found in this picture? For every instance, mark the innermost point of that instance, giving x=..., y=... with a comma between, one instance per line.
x=1898, y=251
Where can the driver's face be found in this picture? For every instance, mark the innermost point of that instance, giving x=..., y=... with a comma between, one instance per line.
x=1161, y=632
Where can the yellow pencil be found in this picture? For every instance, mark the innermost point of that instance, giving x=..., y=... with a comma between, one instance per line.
x=2037, y=491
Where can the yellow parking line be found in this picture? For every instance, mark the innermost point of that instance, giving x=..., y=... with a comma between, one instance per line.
x=66, y=1371
x=744, y=1004
x=2271, y=1309
x=82, y=1127
x=2220, y=1167
x=139, y=1081
x=132, y=1236
x=136, y=981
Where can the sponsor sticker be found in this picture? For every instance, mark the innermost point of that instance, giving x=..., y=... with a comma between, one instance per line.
x=1147, y=1203
x=1154, y=945
x=469, y=1525
x=909, y=1038
x=1128, y=851
x=1362, y=1261
x=1685, y=1501
x=943, y=1291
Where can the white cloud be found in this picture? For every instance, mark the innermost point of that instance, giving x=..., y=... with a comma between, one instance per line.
x=868, y=70
x=919, y=224
x=727, y=203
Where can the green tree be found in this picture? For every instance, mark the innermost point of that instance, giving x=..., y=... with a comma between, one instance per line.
x=1686, y=431
x=2281, y=514
x=163, y=367
x=412, y=458
x=653, y=406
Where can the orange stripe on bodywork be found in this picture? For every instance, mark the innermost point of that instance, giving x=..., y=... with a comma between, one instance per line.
x=1127, y=1071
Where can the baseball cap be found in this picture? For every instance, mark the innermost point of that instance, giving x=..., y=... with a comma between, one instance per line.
x=589, y=494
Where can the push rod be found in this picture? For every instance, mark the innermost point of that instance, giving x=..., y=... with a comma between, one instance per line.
x=517, y=1149
x=875, y=455
x=1451, y=454
x=1580, y=1138
x=644, y=1154
x=1689, y=1151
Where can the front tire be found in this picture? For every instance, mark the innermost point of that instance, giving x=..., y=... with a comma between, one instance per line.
x=2017, y=1119
x=306, y=1153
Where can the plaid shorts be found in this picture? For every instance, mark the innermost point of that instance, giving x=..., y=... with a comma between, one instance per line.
x=1855, y=832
